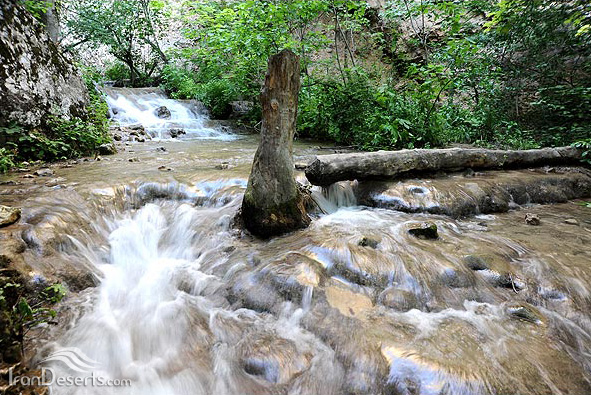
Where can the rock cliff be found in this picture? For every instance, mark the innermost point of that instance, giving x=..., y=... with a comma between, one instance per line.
x=36, y=78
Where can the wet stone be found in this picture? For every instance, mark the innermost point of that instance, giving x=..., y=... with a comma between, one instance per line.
x=571, y=221
x=525, y=312
x=176, y=132
x=368, y=242
x=532, y=219
x=162, y=112
x=476, y=262
x=399, y=299
x=9, y=215
x=456, y=279
x=107, y=149
x=425, y=231
x=45, y=172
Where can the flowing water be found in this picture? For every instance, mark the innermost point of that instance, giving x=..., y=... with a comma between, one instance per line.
x=187, y=304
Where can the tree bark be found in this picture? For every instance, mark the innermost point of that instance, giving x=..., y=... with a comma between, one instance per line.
x=273, y=203
x=327, y=169
x=52, y=22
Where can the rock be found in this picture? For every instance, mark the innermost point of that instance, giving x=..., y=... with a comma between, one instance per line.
x=176, y=132
x=137, y=127
x=140, y=139
x=525, y=312
x=160, y=149
x=162, y=112
x=456, y=279
x=240, y=108
x=164, y=168
x=36, y=77
x=476, y=262
x=45, y=172
x=425, y=231
x=571, y=221
x=9, y=215
x=117, y=137
x=107, y=149
x=223, y=166
x=54, y=182
x=398, y=299
x=532, y=219
x=367, y=242
x=23, y=169
x=134, y=159
x=300, y=166
x=28, y=176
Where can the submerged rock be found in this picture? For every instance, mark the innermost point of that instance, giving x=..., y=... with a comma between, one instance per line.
x=367, y=242
x=9, y=215
x=475, y=262
x=571, y=221
x=425, y=231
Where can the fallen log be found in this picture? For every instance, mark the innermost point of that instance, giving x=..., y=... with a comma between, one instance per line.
x=328, y=169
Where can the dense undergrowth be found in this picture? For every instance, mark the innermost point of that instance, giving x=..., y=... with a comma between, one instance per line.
x=418, y=74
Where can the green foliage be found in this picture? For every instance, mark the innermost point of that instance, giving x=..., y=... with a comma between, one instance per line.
x=37, y=8
x=586, y=146
x=117, y=72
x=131, y=31
x=25, y=306
x=6, y=160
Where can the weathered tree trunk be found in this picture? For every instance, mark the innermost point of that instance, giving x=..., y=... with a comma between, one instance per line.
x=273, y=203
x=52, y=22
x=327, y=169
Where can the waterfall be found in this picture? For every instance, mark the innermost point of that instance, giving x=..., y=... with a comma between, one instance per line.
x=131, y=106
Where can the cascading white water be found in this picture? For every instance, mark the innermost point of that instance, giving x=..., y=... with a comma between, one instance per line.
x=139, y=106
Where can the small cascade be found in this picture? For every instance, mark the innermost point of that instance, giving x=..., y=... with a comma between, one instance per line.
x=160, y=116
x=340, y=194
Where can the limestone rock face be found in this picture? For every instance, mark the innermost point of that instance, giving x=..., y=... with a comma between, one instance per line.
x=36, y=78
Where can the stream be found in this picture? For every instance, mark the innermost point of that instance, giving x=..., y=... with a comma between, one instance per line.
x=187, y=304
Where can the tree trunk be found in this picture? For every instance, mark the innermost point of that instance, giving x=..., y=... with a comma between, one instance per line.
x=51, y=21
x=273, y=203
x=327, y=169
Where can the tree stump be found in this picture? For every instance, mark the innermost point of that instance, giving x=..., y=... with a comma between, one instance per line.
x=273, y=204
